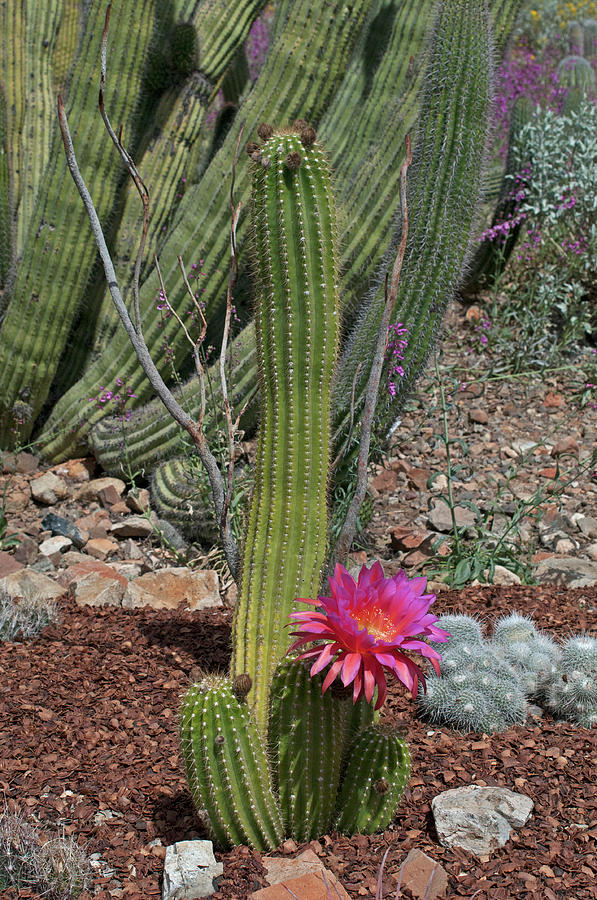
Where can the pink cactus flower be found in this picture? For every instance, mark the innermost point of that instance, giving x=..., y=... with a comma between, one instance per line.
x=366, y=626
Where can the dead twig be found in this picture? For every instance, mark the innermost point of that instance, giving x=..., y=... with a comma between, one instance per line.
x=349, y=527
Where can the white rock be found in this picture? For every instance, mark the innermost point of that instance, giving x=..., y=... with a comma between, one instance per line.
x=479, y=819
x=54, y=546
x=48, y=489
x=502, y=575
x=190, y=870
x=32, y=585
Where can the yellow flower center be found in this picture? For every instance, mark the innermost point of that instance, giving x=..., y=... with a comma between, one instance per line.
x=377, y=622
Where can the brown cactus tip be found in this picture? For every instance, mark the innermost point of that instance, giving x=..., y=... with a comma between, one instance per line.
x=308, y=136
x=382, y=786
x=251, y=147
x=220, y=739
x=300, y=125
x=265, y=131
x=241, y=685
x=265, y=162
x=293, y=160
x=256, y=156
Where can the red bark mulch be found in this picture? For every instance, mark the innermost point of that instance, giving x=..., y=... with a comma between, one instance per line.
x=90, y=707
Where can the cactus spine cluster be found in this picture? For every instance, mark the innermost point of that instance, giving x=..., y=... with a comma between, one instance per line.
x=374, y=781
x=571, y=691
x=296, y=324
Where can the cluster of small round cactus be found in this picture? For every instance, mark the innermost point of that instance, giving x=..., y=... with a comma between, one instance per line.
x=571, y=692
x=485, y=685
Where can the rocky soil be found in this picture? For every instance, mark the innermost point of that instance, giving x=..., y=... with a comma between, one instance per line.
x=89, y=707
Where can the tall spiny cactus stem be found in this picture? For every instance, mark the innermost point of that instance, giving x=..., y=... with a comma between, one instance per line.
x=226, y=766
x=296, y=323
x=306, y=736
x=443, y=193
x=375, y=779
x=6, y=235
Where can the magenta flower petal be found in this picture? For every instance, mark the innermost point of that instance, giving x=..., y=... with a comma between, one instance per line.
x=366, y=626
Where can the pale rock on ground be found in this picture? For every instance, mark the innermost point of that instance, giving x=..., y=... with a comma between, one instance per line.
x=424, y=877
x=320, y=885
x=479, y=819
x=48, y=489
x=190, y=871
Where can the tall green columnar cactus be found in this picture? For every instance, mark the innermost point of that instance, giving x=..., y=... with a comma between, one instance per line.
x=50, y=284
x=226, y=766
x=56, y=251
x=6, y=231
x=296, y=324
x=313, y=42
x=365, y=154
x=443, y=194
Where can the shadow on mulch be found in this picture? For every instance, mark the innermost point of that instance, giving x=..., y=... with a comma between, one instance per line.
x=89, y=725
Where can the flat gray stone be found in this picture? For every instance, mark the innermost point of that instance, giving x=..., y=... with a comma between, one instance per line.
x=91, y=490
x=132, y=526
x=32, y=585
x=440, y=519
x=570, y=572
x=190, y=871
x=49, y=489
x=479, y=819
x=588, y=526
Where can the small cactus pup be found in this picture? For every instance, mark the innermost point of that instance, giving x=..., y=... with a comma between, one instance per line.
x=296, y=326
x=571, y=692
x=361, y=631
x=376, y=776
x=226, y=765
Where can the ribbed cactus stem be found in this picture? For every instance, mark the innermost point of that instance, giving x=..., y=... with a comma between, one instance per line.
x=296, y=323
x=374, y=781
x=306, y=736
x=443, y=194
x=6, y=229
x=226, y=766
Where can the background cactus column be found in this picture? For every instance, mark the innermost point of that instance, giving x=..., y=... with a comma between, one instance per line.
x=296, y=323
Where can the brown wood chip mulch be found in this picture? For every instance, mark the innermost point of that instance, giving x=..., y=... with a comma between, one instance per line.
x=89, y=724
